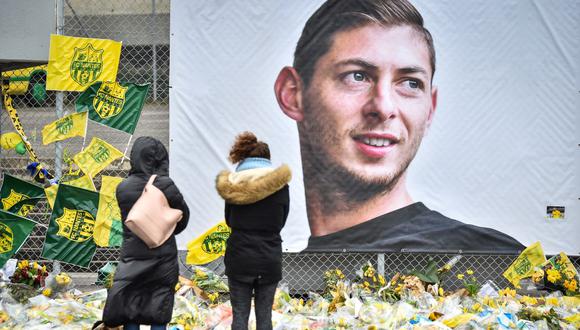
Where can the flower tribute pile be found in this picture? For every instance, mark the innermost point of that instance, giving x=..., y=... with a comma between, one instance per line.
x=413, y=300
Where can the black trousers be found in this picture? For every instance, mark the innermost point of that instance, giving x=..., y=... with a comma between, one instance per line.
x=241, y=300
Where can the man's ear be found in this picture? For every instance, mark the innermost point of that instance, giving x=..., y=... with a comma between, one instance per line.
x=288, y=90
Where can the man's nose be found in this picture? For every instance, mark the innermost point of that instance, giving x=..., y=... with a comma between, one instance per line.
x=381, y=105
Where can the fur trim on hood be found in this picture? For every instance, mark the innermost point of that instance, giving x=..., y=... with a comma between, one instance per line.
x=250, y=186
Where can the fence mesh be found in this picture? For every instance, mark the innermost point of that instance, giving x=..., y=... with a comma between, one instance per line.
x=143, y=26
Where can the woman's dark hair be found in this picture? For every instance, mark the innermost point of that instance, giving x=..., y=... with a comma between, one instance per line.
x=247, y=145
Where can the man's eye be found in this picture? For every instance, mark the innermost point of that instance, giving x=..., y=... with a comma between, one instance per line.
x=413, y=84
x=358, y=76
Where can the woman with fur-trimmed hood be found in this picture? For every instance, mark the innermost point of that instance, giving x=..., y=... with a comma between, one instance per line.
x=257, y=202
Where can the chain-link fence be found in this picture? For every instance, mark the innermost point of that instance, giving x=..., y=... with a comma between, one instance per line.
x=143, y=26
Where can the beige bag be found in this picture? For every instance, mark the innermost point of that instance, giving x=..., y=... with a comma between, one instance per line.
x=151, y=218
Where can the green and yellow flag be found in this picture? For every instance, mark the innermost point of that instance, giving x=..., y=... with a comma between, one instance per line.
x=19, y=196
x=108, y=226
x=84, y=182
x=209, y=246
x=69, y=237
x=117, y=105
x=98, y=155
x=13, y=232
x=75, y=63
x=523, y=266
x=66, y=127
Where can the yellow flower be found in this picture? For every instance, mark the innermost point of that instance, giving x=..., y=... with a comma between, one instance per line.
x=372, y=327
x=177, y=286
x=571, y=285
x=366, y=284
x=507, y=292
x=44, y=269
x=552, y=301
x=47, y=292
x=528, y=300
x=381, y=280
x=553, y=275
x=476, y=307
x=538, y=276
x=460, y=276
x=441, y=291
x=374, y=279
x=469, y=272
x=23, y=264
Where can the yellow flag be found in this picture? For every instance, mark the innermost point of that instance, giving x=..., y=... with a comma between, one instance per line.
x=108, y=229
x=209, y=246
x=50, y=192
x=98, y=155
x=75, y=63
x=66, y=127
x=523, y=266
x=84, y=182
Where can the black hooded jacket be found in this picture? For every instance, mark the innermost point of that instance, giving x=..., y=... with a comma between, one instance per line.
x=144, y=283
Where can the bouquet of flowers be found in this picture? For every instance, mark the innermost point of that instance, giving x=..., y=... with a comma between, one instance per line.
x=558, y=273
x=32, y=275
x=26, y=280
x=56, y=284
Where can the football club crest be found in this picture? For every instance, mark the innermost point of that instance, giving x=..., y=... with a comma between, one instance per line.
x=100, y=153
x=76, y=225
x=109, y=100
x=215, y=243
x=64, y=125
x=6, y=238
x=12, y=199
x=86, y=65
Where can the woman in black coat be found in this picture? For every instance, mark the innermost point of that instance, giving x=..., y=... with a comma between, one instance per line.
x=144, y=283
x=256, y=207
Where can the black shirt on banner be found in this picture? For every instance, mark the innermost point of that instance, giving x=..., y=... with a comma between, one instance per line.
x=415, y=228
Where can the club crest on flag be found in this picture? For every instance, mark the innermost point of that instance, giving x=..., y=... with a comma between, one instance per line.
x=75, y=225
x=215, y=242
x=100, y=153
x=86, y=65
x=12, y=199
x=109, y=100
x=6, y=238
x=64, y=125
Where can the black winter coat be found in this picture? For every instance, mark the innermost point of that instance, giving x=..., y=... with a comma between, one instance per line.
x=257, y=205
x=144, y=283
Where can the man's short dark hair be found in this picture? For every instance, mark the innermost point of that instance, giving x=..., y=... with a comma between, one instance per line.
x=341, y=15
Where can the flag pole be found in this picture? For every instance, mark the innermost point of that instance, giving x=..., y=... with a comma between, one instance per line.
x=126, y=148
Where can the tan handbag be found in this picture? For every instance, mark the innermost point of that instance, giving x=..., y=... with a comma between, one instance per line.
x=151, y=218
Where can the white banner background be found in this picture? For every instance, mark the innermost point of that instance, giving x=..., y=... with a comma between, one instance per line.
x=503, y=146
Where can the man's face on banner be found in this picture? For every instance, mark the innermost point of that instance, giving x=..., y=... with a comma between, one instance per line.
x=370, y=102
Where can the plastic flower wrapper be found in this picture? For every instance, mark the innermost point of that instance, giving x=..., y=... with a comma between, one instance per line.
x=341, y=319
x=208, y=281
x=376, y=312
x=93, y=299
x=281, y=298
x=61, y=312
x=57, y=284
x=219, y=317
x=186, y=315
x=331, y=278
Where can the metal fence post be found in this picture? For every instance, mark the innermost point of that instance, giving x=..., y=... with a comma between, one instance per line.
x=154, y=47
x=59, y=95
x=381, y=263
